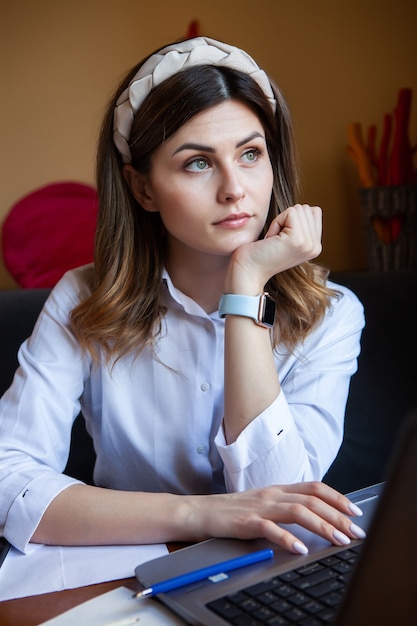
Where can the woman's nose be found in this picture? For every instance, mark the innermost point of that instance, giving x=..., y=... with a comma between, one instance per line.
x=231, y=187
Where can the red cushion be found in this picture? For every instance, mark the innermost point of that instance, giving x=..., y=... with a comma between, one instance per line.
x=48, y=232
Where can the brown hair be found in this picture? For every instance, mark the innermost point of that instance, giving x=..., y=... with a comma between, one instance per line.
x=124, y=312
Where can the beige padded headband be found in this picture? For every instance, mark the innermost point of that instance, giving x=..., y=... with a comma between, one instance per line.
x=166, y=63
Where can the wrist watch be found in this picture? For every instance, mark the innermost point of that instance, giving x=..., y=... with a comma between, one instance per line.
x=259, y=308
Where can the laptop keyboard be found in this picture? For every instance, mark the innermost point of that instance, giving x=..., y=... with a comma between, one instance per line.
x=308, y=596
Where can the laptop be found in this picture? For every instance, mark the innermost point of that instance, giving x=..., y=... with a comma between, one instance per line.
x=369, y=582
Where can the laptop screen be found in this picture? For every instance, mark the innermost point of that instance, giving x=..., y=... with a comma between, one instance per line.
x=383, y=590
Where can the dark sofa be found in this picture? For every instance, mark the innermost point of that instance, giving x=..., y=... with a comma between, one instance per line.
x=19, y=309
x=382, y=392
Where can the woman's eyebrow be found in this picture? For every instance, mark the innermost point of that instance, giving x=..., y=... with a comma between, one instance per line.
x=194, y=146
x=203, y=148
x=252, y=136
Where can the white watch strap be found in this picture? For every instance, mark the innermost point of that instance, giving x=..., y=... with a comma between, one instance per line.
x=234, y=304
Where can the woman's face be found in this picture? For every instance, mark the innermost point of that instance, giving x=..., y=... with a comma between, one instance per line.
x=211, y=182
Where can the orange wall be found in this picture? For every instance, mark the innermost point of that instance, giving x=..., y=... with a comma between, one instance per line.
x=61, y=59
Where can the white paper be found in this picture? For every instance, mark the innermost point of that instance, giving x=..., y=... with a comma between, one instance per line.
x=54, y=568
x=117, y=608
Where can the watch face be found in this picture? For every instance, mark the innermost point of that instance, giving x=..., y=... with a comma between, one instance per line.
x=269, y=311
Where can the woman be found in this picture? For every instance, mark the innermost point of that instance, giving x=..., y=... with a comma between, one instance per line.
x=207, y=420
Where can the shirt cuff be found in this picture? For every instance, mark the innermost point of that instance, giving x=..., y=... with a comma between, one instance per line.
x=258, y=438
x=28, y=508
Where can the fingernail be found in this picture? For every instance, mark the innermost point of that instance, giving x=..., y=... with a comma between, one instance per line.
x=358, y=532
x=355, y=510
x=341, y=537
x=300, y=548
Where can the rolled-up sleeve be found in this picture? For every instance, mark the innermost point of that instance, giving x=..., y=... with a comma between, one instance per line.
x=265, y=450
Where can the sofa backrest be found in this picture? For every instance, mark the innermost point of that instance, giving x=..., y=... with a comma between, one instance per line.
x=19, y=310
x=384, y=389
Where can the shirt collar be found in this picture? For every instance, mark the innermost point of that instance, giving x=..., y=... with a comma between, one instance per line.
x=189, y=305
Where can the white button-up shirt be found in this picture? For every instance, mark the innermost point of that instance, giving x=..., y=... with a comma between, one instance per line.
x=156, y=418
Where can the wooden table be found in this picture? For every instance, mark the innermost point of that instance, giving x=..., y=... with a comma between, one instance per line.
x=33, y=610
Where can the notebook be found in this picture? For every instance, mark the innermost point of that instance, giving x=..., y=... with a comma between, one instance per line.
x=374, y=581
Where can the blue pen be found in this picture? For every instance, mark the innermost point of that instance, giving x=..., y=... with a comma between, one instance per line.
x=204, y=572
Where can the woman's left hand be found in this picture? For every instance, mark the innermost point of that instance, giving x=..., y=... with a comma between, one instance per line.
x=299, y=230
x=293, y=237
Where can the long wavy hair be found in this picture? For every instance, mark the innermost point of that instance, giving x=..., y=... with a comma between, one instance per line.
x=124, y=313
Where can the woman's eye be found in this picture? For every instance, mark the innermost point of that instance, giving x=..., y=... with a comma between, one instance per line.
x=197, y=165
x=251, y=155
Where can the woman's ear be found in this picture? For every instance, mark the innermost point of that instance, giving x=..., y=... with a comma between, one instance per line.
x=140, y=187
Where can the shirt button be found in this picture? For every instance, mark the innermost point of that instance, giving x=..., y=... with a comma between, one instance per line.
x=201, y=449
x=205, y=387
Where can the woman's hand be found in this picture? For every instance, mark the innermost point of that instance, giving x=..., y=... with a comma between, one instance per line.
x=256, y=514
x=299, y=230
x=293, y=237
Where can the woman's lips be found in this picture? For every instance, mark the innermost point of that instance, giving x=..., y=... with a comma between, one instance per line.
x=234, y=220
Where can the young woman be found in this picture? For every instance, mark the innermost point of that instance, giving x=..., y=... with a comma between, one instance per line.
x=208, y=419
